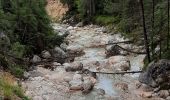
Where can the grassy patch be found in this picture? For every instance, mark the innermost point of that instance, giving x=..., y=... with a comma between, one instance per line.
x=9, y=90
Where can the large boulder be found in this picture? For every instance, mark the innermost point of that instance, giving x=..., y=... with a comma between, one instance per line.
x=75, y=50
x=46, y=54
x=36, y=59
x=87, y=85
x=76, y=83
x=157, y=74
x=59, y=54
x=119, y=63
x=75, y=66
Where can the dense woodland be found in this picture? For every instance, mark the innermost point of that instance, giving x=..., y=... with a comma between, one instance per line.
x=26, y=29
x=140, y=20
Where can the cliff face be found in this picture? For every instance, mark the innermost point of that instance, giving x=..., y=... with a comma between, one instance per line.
x=56, y=9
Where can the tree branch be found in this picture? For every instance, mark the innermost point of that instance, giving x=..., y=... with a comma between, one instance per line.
x=124, y=72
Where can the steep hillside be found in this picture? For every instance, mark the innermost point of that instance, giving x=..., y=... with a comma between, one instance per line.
x=56, y=9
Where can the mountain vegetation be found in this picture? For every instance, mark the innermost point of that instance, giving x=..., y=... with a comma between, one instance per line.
x=140, y=20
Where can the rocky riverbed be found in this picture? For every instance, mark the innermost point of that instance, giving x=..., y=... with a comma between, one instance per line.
x=73, y=79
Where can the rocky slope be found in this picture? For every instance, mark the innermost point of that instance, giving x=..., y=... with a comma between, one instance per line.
x=56, y=9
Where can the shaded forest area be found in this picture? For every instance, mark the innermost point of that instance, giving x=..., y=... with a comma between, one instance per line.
x=25, y=29
x=140, y=20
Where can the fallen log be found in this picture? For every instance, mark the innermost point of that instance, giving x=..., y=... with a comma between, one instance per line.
x=121, y=42
x=131, y=50
x=123, y=72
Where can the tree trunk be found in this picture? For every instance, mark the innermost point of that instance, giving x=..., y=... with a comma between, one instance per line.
x=153, y=22
x=144, y=32
x=168, y=27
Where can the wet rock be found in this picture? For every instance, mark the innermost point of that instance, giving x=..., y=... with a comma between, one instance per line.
x=100, y=92
x=122, y=86
x=36, y=59
x=157, y=74
x=163, y=93
x=75, y=66
x=46, y=54
x=112, y=50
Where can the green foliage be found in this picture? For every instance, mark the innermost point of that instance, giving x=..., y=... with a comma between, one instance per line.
x=10, y=91
x=25, y=22
x=104, y=20
x=18, y=50
x=16, y=70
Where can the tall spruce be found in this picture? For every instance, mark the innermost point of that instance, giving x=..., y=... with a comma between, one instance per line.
x=145, y=32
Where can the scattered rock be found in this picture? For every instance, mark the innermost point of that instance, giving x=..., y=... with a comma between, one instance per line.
x=112, y=50
x=122, y=86
x=80, y=24
x=87, y=85
x=4, y=42
x=46, y=54
x=89, y=73
x=100, y=91
x=163, y=93
x=138, y=84
x=157, y=74
x=56, y=64
x=168, y=98
x=146, y=94
x=68, y=78
x=26, y=75
x=76, y=83
x=36, y=59
x=146, y=88
x=119, y=63
x=75, y=50
x=75, y=66
x=63, y=46
x=59, y=55
x=70, y=28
